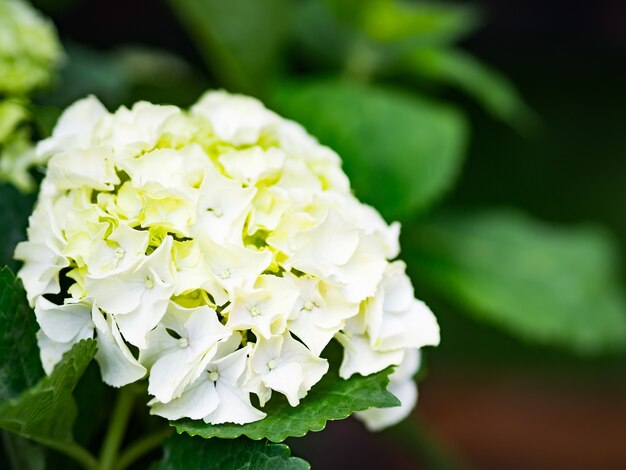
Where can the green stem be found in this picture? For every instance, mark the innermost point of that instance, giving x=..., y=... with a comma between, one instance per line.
x=141, y=447
x=78, y=453
x=117, y=427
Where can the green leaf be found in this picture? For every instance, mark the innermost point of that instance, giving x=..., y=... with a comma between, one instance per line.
x=401, y=152
x=495, y=92
x=556, y=286
x=239, y=39
x=331, y=399
x=422, y=22
x=19, y=354
x=319, y=33
x=182, y=453
x=22, y=453
x=15, y=207
x=46, y=412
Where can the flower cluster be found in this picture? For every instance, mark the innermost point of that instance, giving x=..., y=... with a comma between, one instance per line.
x=217, y=251
x=29, y=48
x=29, y=52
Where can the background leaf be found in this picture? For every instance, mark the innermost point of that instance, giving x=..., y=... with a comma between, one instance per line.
x=552, y=285
x=46, y=412
x=422, y=22
x=239, y=39
x=183, y=452
x=400, y=151
x=23, y=454
x=332, y=398
x=20, y=367
x=495, y=92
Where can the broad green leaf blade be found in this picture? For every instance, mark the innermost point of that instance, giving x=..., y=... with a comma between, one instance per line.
x=331, y=399
x=46, y=412
x=182, y=453
x=20, y=367
x=239, y=39
x=495, y=92
x=15, y=207
x=550, y=285
x=400, y=151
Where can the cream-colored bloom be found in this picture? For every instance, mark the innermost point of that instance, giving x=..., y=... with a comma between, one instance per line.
x=216, y=252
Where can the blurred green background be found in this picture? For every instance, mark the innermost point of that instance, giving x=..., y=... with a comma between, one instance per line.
x=492, y=130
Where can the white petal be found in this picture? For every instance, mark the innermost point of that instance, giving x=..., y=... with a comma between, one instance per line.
x=235, y=118
x=359, y=357
x=377, y=419
x=51, y=352
x=62, y=323
x=75, y=127
x=287, y=380
x=198, y=401
x=117, y=364
x=234, y=407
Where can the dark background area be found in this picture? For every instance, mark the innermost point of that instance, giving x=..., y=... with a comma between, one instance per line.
x=506, y=404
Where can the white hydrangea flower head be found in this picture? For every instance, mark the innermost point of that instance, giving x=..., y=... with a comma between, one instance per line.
x=223, y=245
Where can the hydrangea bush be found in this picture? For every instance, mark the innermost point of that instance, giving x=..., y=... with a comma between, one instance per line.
x=217, y=252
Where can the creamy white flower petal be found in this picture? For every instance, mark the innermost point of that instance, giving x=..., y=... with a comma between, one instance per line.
x=50, y=352
x=252, y=164
x=319, y=313
x=409, y=366
x=377, y=419
x=235, y=118
x=141, y=294
x=198, y=401
x=75, y=127
x=91, y=167
x=395, y=318
x=216, y=396
x=222, y=209
x=285, y=365
x=262, y=310
x=63, y=323
x=199, y=331
x=117, y=364
x=234, y=406
x=234, y=267
x=41, y=254
x=360, y=358
x=122, y=249
x=132, y=131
